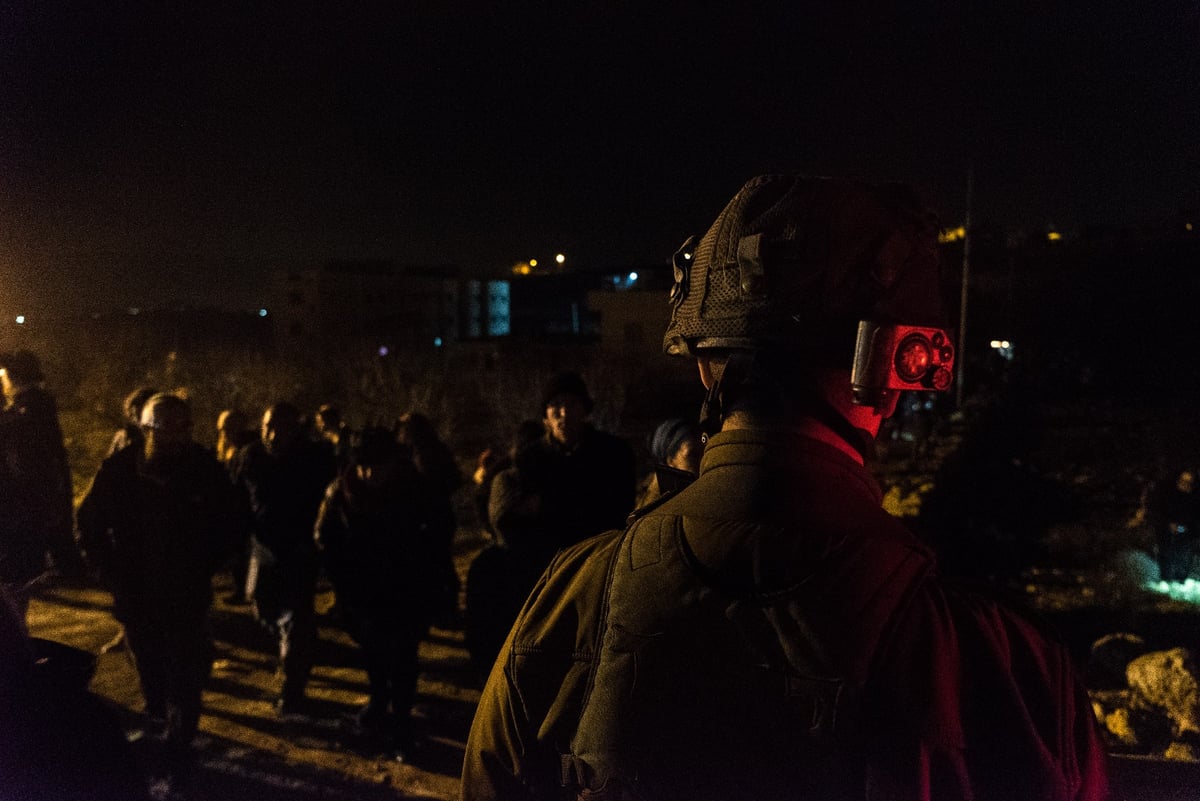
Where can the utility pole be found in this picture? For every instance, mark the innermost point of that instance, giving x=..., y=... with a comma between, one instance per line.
x=962, y=302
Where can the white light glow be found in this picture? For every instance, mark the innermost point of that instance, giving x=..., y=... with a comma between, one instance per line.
x=20, y=319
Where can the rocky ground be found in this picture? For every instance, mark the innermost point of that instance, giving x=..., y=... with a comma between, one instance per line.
x=244, y=750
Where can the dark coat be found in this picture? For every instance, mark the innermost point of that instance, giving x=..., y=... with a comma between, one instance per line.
x=35, y=480
x=156, y=542
x=589, y=489
x=378, y=544
x=667, y=655
x=285, y=492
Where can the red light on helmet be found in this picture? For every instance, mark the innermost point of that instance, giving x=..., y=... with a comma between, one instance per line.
x=913, y=357
x=891, y=358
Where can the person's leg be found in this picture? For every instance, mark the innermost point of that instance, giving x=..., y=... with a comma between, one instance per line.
x=403, y=651
x=147, y=644
x=373, y=639
x=191, y=662
x=298, y=632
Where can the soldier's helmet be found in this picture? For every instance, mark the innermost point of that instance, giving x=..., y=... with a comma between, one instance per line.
x=793, y=263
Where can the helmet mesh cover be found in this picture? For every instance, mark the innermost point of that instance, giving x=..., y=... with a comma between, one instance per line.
x=794, y=262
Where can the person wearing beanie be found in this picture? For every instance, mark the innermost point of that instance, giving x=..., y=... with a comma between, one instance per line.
x=589, y=476
x=675, y=446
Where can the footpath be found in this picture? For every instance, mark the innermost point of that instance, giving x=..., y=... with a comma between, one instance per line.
x=244, y=750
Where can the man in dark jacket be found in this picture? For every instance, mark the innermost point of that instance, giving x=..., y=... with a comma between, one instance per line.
x=769, y=632
x=589, y=475
x=376, y=533
x=35, y=478
x=155, y=525
x=285, y=475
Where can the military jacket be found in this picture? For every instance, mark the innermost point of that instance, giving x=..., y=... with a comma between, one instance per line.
x=811, y=652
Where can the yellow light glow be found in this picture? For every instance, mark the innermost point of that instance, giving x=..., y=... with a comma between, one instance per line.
x=1054, y=236
x=522, y=269
x=533, y=262
x=952, y=234
x=1188, y=226
x=560, y=258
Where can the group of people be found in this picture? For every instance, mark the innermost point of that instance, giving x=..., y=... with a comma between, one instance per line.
x=756, y=627
x=274, y=506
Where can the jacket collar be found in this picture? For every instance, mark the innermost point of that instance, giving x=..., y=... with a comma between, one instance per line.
x=791, y=449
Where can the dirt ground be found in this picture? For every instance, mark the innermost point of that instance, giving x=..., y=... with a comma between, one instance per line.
x=244, y=750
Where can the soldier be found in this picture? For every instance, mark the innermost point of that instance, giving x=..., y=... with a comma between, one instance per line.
x=769, y=632
x=35, y=479
x=285, y=476
x=155, y=525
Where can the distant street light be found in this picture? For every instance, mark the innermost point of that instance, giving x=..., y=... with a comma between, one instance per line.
x=560, y=258
x=20, y=319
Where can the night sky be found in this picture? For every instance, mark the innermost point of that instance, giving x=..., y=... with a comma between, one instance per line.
x=153, y=155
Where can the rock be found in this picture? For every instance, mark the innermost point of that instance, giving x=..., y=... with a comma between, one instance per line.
x=1110, y=656
x=1130, y=730
x=1166, y=682
x=1182, y=752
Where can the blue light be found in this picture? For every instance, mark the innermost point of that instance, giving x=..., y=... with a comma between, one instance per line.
x=633, y=277
x=437, y=342
x=262, y=312
x=383, y=350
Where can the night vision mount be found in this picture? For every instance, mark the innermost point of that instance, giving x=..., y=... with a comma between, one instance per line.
x=892, y=358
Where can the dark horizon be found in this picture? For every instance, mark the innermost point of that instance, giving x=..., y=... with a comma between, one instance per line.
x=153, y=155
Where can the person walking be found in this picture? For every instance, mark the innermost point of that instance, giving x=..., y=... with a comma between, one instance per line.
x=35, y=481
x=155, y=525
x=373, y=534
x=285, y=475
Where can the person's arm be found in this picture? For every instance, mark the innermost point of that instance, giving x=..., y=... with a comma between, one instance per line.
x=531, y=703
x=979, y=703
x=91, y=526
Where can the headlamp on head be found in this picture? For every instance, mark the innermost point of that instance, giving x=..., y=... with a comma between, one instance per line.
x=892, y=358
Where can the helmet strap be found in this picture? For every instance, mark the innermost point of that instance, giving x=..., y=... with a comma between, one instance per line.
x=739, y=365
x=716, y=403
